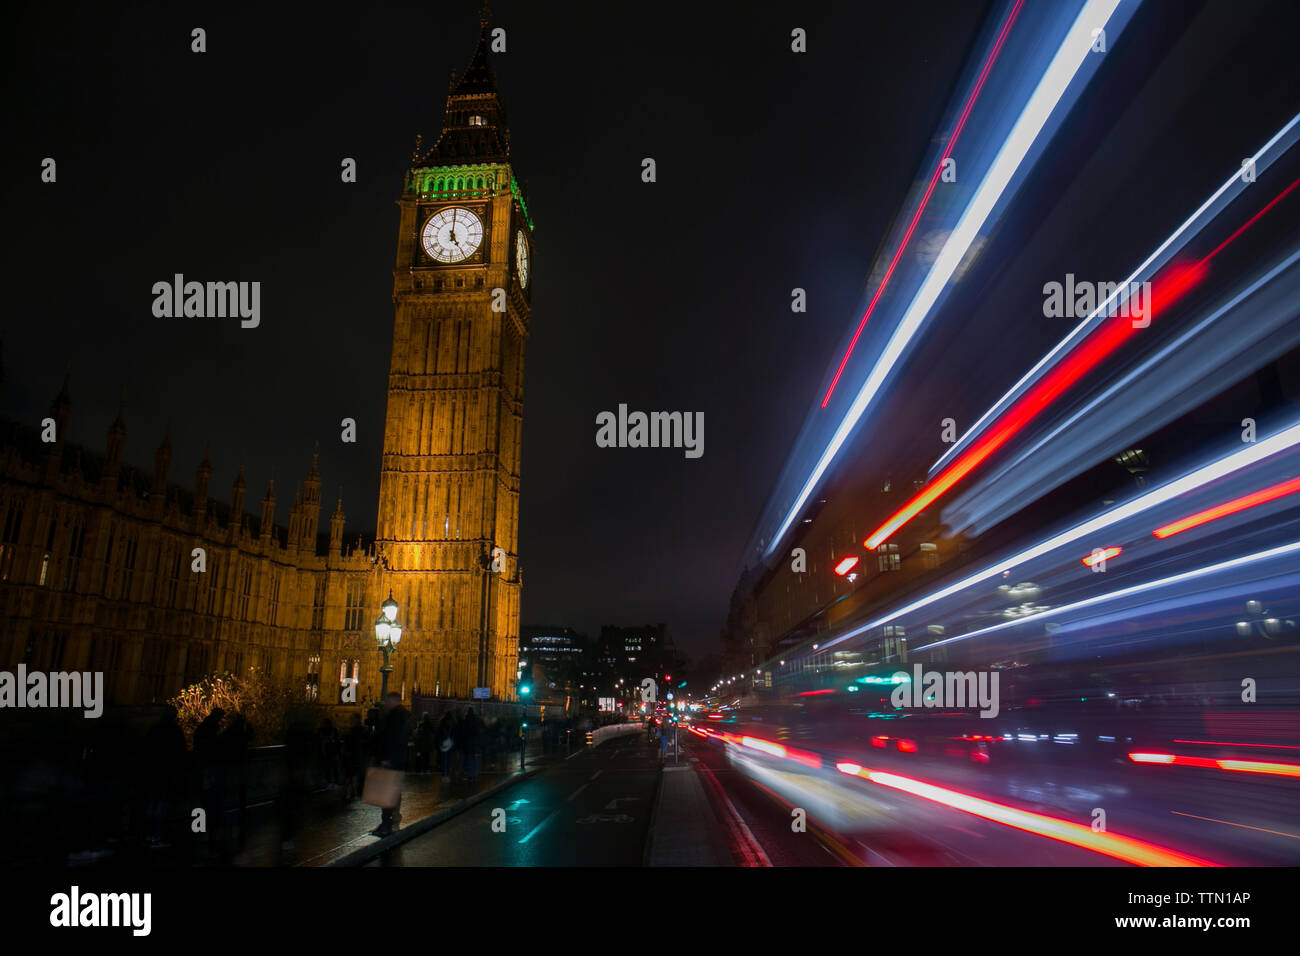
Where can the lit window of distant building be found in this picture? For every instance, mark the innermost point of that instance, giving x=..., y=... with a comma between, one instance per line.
x=887, y=558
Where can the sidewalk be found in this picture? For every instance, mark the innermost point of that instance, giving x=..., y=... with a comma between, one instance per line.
x=685, y=831
x=326, y=830
x=332, y=829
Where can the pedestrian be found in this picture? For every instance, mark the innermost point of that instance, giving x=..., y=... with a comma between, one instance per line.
x=470, y=730
x=390, y=752
x=447, y=743
x=212, y=775
x=491, y=741
x=424, y=742
x=354, y=758
x=165, y=756
x=329, y=747
x=232, y=758
x=205, y=736
x=299, y=744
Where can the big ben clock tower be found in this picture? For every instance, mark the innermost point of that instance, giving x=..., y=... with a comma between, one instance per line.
x=449, y=480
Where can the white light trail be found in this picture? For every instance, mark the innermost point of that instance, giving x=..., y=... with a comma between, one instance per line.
x=1128, y=592
x=1143, y=372
x=1074, y=49
x=1140, y=274
x=1286, y=439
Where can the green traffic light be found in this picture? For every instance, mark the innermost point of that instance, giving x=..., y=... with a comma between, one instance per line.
x=525, y=690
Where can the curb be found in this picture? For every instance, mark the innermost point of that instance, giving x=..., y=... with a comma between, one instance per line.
x=365, y=854
x=648, y=848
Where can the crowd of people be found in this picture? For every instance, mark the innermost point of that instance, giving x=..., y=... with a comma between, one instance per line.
x=156, y=791
x=458, y=744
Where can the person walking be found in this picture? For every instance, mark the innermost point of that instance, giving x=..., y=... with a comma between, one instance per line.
x=470, y=730
x=424, y=743
x=300, y=740
x=447, y=744
x=354, y=758
x=212, y=775
x=390, y=751
x=330, y=746
x=165, y=765
x=232, y=760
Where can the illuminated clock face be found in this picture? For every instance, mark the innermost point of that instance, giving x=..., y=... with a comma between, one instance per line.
x=521, y=258
x=452, y=234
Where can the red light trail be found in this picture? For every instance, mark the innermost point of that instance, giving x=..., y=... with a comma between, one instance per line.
x=1229, y=508
x=1123, y=848
x=1231, y=743
x=1239, y=766
x=1166, y=289
x=1100, y=555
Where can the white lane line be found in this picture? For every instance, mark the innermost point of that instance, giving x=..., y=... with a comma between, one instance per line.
x=742, y=838
x=596, y=774
x=533, y=832
x=578, y=791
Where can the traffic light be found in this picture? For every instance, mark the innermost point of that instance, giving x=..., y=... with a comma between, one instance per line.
x=524, y=690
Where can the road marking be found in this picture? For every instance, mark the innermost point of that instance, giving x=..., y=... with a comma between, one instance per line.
x=597, y=774
x=751, y=853
x=607, y=818
x=824, y=837
x=1231, y=824
x=578, y=791
x=533, y=832
x=613, y=804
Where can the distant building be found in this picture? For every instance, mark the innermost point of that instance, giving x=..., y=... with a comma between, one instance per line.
x=626, y=656
x=551, y=662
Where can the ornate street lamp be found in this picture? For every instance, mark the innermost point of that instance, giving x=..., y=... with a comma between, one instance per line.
x=388, y=634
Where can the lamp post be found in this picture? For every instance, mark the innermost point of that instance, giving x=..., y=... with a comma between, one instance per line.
x=388, y=634
x=524, y=691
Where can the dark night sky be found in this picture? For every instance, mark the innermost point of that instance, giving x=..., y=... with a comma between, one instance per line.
x=775, y=170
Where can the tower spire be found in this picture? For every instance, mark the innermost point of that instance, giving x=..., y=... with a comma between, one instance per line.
x=474, y=124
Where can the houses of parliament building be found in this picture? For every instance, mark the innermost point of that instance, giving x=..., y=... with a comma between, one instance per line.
x=97, y=560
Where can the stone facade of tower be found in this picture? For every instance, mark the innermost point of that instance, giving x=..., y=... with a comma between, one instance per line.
x=449, y=487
